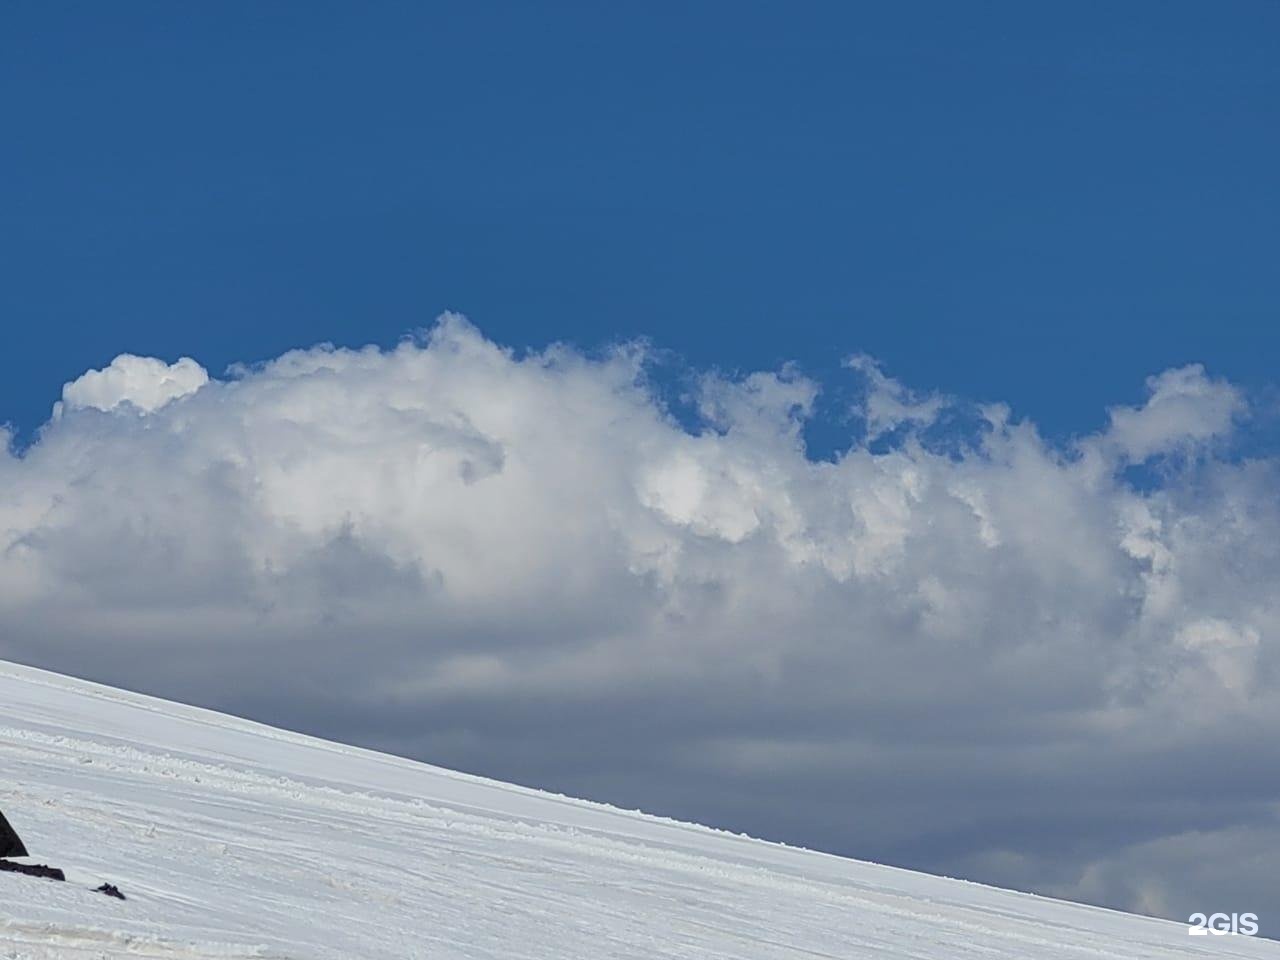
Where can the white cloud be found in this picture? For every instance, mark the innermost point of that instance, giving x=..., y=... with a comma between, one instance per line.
x=525, y=566
x=888, y=404
x=1184, y=409
x=144, y=383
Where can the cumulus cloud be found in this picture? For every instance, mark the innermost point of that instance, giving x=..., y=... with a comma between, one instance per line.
x=889, y=404
x=144, y=383
x=992, y=656
x=1185, y=410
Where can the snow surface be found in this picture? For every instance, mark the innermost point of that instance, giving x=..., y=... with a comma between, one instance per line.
x=232, y=839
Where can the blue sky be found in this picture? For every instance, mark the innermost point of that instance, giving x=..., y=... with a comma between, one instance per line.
x=1035, y=203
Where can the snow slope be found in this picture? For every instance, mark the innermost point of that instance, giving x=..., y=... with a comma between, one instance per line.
x=233, y=839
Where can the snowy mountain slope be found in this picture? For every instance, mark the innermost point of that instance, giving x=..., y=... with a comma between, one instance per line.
x=237, y=840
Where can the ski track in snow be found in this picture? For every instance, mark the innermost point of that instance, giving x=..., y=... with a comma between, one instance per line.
x=235, y=840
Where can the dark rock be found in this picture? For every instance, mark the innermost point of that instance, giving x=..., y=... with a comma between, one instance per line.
x=33, y=870
x=10, y=842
